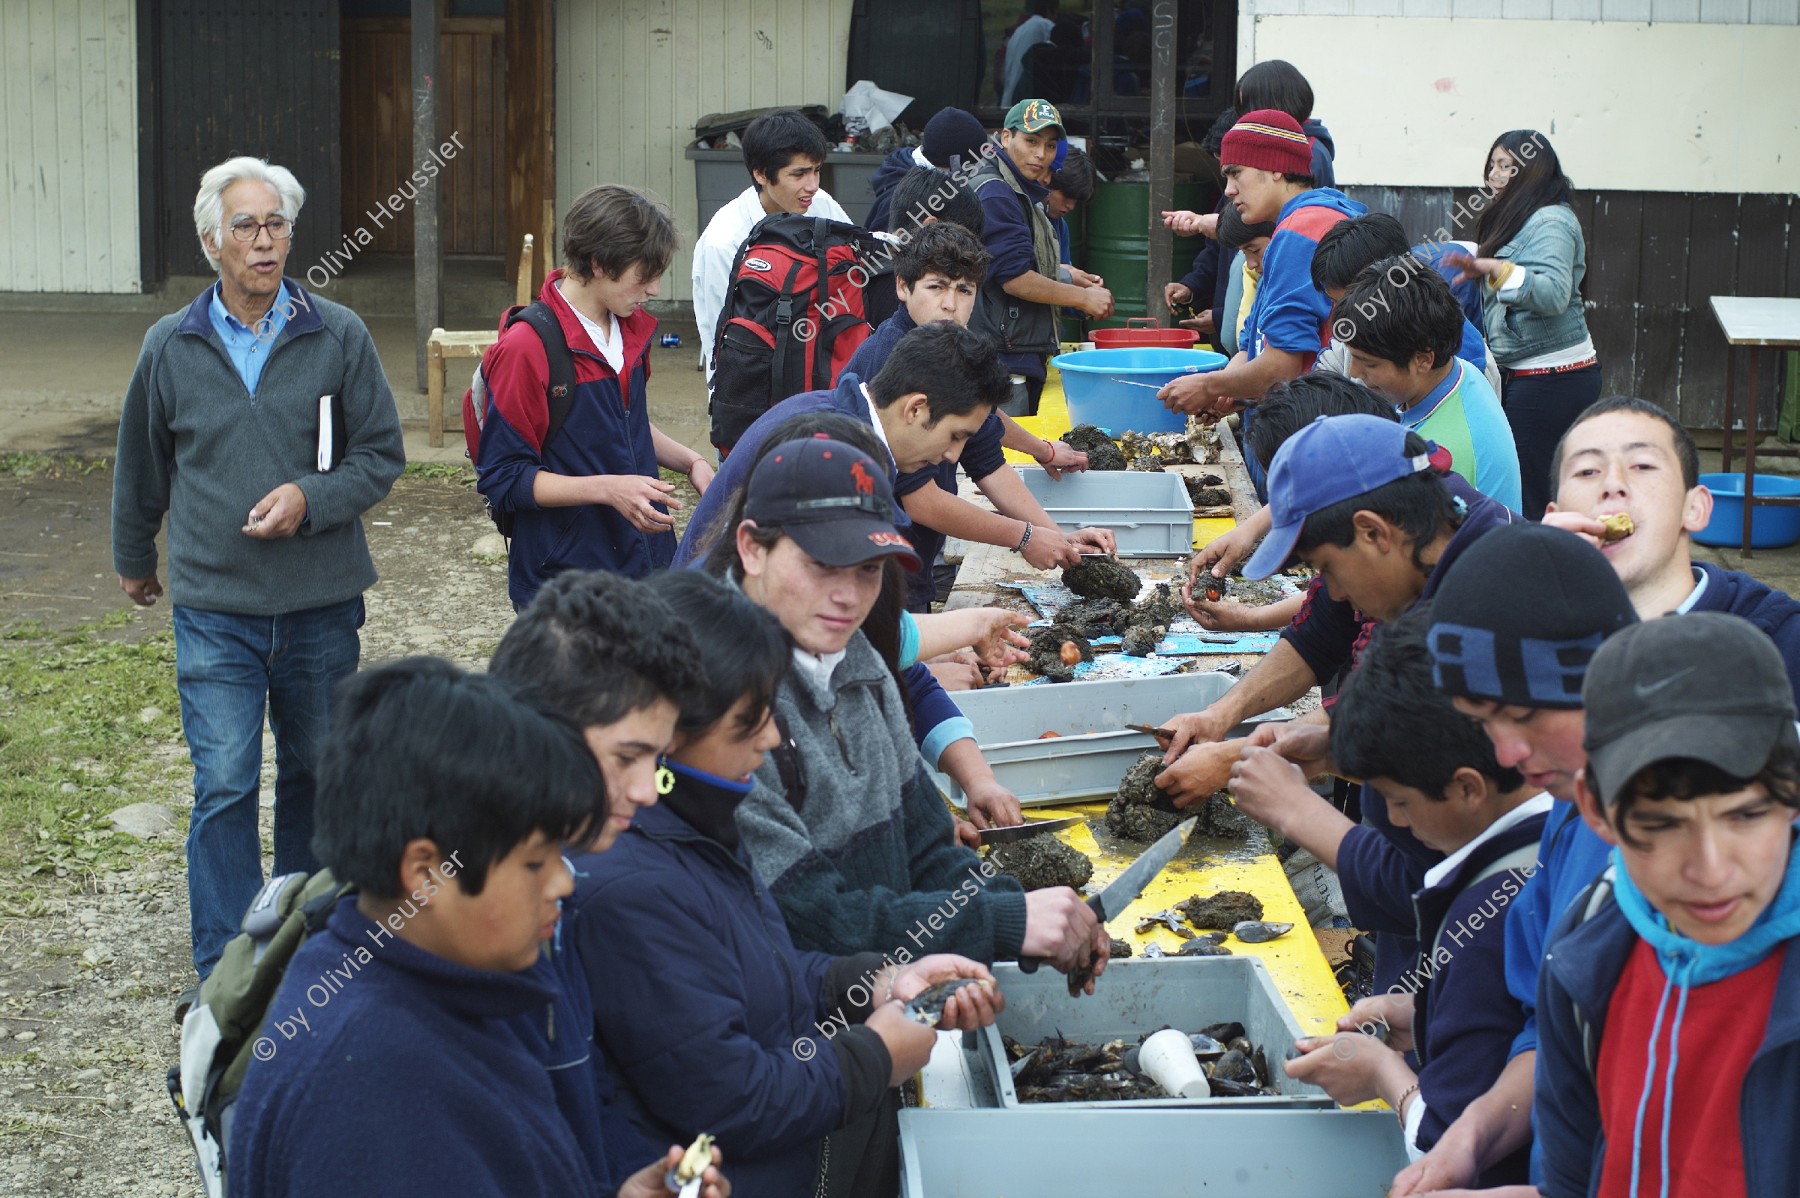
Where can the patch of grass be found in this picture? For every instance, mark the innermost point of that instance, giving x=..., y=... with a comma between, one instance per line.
x=48, y=465
x=86, y=725
x=449, y=472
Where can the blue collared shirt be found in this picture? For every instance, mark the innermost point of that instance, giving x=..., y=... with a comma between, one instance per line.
x=248, y=347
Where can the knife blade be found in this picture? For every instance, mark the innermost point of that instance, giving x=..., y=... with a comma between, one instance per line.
x=1121, y=891
x=1152, y=730
x=1027, y=830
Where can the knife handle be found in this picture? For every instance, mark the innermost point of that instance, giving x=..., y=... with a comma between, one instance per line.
x=1030, y=964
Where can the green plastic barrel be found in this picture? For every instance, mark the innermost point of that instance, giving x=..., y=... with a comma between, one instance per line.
x=1118, y=231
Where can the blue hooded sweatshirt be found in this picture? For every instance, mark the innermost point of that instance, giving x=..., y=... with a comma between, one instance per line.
x=1775, y=612
x=1581, y=970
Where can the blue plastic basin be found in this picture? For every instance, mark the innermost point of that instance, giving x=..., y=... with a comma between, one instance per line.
x=1770, y=527
x=1115, y=389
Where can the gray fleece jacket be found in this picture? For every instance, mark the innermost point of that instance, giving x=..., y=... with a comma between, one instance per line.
x=193, y=443
x=865, y=857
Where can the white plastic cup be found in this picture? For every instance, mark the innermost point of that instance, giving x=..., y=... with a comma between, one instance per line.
x=1168, y=1058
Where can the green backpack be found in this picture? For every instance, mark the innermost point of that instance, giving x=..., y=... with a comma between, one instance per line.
x=221, y=1031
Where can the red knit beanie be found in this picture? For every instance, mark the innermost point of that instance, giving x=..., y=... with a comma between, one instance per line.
x=1268, y=140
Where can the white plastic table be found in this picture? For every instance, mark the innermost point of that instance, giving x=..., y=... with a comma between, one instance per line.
x=1754, y=323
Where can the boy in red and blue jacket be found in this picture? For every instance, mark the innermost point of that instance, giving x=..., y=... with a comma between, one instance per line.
x=1669, y=1003
x=590, y=499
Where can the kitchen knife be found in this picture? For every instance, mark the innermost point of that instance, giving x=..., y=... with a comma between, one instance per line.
x=1027, y=830
x=1120, y=892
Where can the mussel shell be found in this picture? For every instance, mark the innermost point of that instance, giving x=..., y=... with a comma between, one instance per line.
x=1224, y=1033
x=1234, y=1066
x=1257, y=931
x=1205, y=1047
x=1202, y=948
x=1225, y=1087
x=927, y=1006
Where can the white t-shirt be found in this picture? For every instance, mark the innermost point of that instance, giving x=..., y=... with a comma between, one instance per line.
x=610, y=344
x=717, y=248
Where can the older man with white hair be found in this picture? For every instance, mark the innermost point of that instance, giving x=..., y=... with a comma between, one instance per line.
x=259, y=421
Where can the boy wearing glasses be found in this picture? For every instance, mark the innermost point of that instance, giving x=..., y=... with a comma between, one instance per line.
x=259, y=421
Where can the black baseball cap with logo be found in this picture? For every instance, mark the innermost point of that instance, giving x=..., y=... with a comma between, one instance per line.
x=1707, y=686
x=832, y=499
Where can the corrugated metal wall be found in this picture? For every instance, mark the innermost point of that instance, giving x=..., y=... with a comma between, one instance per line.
x=1654, y=261
x=632, y=76
x=68, y=142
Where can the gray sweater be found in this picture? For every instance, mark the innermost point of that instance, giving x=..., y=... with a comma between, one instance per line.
x=195, y=444
x=866, y=859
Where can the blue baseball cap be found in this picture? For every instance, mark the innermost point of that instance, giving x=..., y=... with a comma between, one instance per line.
x=1330, y=460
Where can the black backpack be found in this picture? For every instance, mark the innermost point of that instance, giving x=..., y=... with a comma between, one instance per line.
x=559, y=394
x=793, y=315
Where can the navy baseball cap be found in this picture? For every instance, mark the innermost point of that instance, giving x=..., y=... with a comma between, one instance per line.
x=832, y=499
x=1330, y=460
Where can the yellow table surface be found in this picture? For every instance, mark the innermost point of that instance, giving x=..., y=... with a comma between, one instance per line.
x=1295, y=962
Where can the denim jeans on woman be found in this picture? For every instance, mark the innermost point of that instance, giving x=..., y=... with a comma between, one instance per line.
x=231, y=670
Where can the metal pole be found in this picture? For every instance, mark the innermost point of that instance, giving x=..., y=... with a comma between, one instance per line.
x=1162, y=153
x=428, y=259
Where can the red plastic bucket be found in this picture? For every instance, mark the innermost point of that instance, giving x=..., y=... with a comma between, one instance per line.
x=1142, y=331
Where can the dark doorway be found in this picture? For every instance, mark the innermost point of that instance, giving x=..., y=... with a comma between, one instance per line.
x=225, y=80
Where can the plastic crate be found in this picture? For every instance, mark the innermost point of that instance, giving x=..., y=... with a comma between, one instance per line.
x=1150, y=514
x=1137, y=996
x=1092, y=748
x=1220, y=1153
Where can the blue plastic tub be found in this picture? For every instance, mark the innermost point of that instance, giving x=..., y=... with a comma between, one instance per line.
x=1770, y=527
x=1115, y=389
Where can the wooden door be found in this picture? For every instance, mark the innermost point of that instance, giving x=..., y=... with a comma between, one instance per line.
x=377, y=132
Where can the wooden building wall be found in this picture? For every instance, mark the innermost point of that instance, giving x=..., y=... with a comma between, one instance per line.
x=632, y=76
x=377, y=140
x=69, y=216
x=1653, y=259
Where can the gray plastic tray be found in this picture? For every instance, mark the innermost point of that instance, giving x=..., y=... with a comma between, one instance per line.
x=1218, y=1153
x=1150, y=514
x=1136, y=996
x=1093, y=750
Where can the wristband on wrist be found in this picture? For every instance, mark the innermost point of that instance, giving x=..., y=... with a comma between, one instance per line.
x=1048, y=457
x=1024, y=540
x=1400, y=1107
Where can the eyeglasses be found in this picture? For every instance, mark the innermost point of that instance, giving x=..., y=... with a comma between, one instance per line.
x=280, y=228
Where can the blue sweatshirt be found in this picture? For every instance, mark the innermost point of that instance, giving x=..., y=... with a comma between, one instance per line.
x=937, y=722
x=982, y=455
x=1582, y=968
x=408, y=1078
x=1775, y=612
x=1464, y=1018
x=895, y=167
x=1289, y=312
x=704, y=1040
x=1379, y=865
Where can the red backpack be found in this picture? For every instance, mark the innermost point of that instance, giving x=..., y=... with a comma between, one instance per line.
x=793, y=316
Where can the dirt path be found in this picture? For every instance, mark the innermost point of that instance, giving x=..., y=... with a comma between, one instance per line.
x=94, y=951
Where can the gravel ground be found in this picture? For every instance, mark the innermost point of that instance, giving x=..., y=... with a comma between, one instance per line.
x=91, y=962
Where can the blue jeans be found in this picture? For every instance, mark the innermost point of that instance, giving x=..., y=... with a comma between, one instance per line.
x=230, y=669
